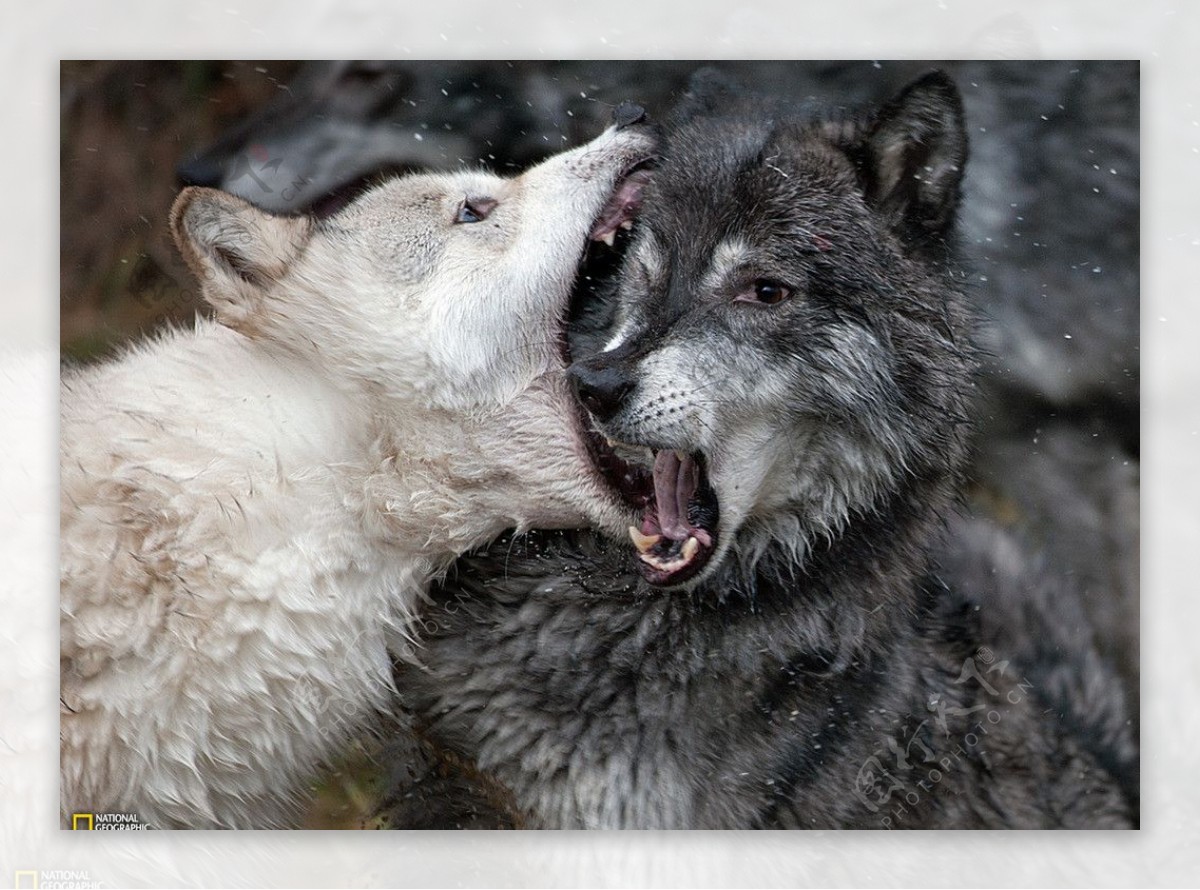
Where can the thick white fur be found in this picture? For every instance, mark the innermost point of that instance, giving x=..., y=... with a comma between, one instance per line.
x=251, y=509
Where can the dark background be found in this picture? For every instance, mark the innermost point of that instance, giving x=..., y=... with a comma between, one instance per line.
x=125, y=127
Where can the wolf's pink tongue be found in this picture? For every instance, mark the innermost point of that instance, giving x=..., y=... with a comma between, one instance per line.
x=675, y=482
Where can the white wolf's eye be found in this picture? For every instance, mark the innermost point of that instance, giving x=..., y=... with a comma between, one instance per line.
x=764, y=291
x=473, y=210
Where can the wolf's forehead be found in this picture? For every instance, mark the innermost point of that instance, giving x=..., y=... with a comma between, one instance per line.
x=778, y=200
x=479, y=183
x=715, y=170
x=425, y=190
x=727, y=257
x=703, y=163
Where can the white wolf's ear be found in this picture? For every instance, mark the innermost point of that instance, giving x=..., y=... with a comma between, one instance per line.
x=235, y=249
x=916, y=149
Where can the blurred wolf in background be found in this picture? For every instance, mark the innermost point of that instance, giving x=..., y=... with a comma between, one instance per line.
x=785, y=393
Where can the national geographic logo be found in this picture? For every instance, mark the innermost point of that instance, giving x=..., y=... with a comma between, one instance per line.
x=55, y=879
x=106, y=822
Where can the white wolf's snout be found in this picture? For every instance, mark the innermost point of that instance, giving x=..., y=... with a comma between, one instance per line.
x=572, y=188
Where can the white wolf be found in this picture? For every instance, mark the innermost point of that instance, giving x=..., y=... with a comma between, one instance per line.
x=251, y=509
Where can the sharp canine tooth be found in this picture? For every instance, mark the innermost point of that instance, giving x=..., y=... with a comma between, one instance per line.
x=627, y=224
x=608, y=237
x=681, y=455
x=690, y=549
x=643, y=543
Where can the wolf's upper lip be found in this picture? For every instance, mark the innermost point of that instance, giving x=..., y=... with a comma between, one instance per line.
x=631, y=481
x=597, y=264
x=622, y=207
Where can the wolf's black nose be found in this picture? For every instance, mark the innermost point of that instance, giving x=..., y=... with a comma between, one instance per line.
x=627, y=114
x=601, y=389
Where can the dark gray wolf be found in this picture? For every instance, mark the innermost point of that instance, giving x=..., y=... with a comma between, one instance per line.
x=783, y=396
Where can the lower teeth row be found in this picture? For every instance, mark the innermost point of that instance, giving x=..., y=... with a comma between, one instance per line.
x=646, y=543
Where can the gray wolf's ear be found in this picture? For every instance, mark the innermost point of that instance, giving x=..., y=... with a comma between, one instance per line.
x=234, y=248
x=915, y=152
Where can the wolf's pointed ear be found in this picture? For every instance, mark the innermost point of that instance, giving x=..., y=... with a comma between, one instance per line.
x=915, y=151
x=234, y=248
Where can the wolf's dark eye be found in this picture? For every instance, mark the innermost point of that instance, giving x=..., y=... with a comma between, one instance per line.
x=475, y=210
x=765, y=291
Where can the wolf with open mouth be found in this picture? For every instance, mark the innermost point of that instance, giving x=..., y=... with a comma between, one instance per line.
x=253, y=508
x=788, y=347
x=781, y=397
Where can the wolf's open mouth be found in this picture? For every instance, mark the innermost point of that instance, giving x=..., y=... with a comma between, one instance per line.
x=607, y=241
x=622, y=208
x=678, y=531
x=677, y=535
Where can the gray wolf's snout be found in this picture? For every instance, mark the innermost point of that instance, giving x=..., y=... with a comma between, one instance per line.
x=601, y=386
x=627, y=114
